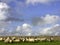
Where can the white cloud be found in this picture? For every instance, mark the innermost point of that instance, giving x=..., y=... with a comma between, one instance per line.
x=24, y=30
x=3, y=5
x=3, y=10
x=14, y=10
x=26, y=26
x=4, y=24
x=53, y=31
x=18, y=28
x=5, y=17
x=51, y=18
x=47, y=19
x=2, y=30
x=29, y=34
x=57, y=34
x=3, y=14
x=39, y=1
x=26, y=2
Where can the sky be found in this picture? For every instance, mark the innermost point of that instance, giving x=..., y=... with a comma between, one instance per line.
x=29, y=17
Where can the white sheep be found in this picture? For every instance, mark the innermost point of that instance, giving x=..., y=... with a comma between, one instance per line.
x=31, y=40
x=16, y=40
x=7, y=40
x=27, y=39
x=37, y=39
x=23, y=39
x=13, y=38
x=1, y=39
x=48, y=40
x=52, y=39
x=42, y=39
x=10, y=41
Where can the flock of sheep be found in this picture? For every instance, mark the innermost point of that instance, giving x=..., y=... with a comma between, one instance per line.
x=24, y=39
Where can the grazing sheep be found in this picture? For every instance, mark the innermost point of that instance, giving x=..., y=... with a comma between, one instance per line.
x=16, y=40
x=37, y=39
x=48, y=40
x=13, y=38
x=7, y=40
x=10, y=41
x=23, y=40
x=42, y=39
x=1, y=39
x=52, y=39
x=26, y=39
x=31, y=40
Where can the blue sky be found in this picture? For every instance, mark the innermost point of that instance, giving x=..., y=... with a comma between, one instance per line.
x=32, y=17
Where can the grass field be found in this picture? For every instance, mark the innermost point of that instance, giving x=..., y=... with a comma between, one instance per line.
x=37, y=43
x=55, y=42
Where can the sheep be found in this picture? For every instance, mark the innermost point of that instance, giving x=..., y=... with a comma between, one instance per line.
x=31, y=40
x=16, y=40
x=1, y=39
x=36, y=40
x=48, y=40
x=42, y=39
x=27, y=39
x=7, y=40
x=23, y=39
x=10, y=41
x=13, y=38
x=52, y=39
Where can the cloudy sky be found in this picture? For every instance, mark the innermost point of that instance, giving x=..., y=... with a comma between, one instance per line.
x=29, y=17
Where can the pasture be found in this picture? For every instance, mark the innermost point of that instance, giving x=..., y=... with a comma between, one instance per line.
x=56, y=41
x=35, y=43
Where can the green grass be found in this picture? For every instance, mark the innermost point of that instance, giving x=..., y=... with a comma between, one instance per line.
x=37, y=43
